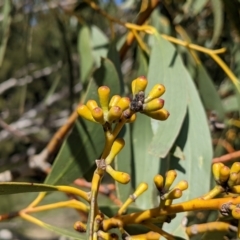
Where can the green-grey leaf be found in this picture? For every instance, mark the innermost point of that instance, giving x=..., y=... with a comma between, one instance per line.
x=166, y=67
x=195, y=141
x=85, y=144
x=145, y=165
x=123, y=163
x=113, y=55
x=210, y=97
x=142, y=63
x=21, y=187
x=6, y=28
x=217, y=7
x=197, y=6
x=85, y=53
x=99, y=43
x=66, y=232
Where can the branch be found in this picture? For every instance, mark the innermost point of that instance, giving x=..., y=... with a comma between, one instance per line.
x=13, y=82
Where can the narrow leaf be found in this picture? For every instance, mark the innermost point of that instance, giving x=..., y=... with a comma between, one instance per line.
x=66, y=232
x=195, y=141
x=99, y=43
x=167, y=68
x=217, y=7
x=85, y=53
x=210, y=97
x=123, y=163
x=21, y=187
x=145, y=165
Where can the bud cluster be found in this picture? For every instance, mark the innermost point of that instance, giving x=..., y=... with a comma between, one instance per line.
x=114, y=108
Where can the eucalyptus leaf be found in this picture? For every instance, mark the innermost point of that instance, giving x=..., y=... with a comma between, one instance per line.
x=123, y=163
x=66, y=232
x=99, y=43
x=195, y=141
x=166, y=67
x=217, y=7
x=85, y=53
x=6, y=12
x=210, y=97
x=145, y=166
x=21, y=187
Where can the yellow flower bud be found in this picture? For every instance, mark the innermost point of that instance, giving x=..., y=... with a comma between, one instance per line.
x=84, y=112
x=114, y=100
x=132, y=118
x=91, y=104
x=161, y=114
x=170, y=177
x=120, y=177
x=224, y=174
x=145, y=236
x=97, y=114
x=173, y=194
x=182, y=185
x=216, y=171
x=236, y=213
x=116, y=148
x=153, y=105
x=80, y=227
x=114, y=114
x=157, y=91
x=142, y=187
x=159, y=181
x=232, y=181
x=124, y=103
x=139, y=84
x=104, y=94
x=235, y=167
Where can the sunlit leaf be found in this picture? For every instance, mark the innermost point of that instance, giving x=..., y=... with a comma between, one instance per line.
x=99, y=43
x=210, y=97
x=167, y=68
x=195, y=141
x=145, y=166
x=85, y=53
x=123, y=163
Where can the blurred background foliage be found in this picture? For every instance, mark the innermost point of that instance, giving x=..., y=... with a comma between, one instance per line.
x=54, y=53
